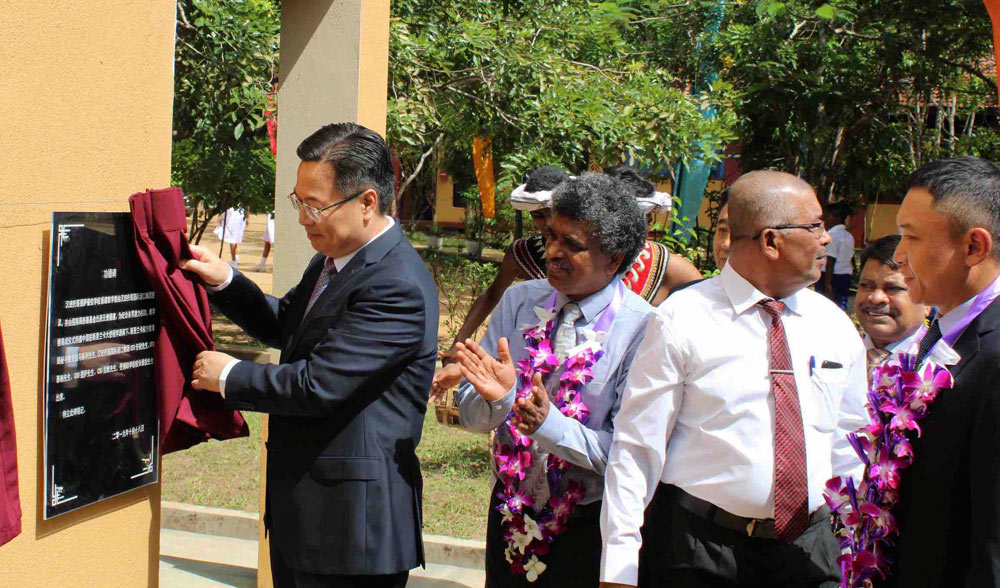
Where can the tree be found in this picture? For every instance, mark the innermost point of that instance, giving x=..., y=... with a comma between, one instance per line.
x=850, y=94
x=548, y=82
x=225, y=71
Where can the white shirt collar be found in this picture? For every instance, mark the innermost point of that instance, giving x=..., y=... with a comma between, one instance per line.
x=743, y=295
x=341, y=262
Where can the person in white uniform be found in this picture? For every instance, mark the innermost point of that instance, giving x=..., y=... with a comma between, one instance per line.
x=736, y=411
x=232, y=224
x=268, y=242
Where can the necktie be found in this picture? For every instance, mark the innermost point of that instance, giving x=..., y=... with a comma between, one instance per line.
x=565, y=338
x=324, y=278
x=791, y=492
x=927, y=343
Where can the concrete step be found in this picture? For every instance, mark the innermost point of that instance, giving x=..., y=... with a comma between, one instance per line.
x=439, y=549
x=197, y=560
x=201, y=561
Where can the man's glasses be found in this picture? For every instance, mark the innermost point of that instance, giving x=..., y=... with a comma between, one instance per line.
x=816, y=228
x=314, y=213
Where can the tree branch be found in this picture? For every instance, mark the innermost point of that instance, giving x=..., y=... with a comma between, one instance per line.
x=653, y=18
x=795, y=31
x=420, y=165
x=493, y=106
x=183, y=17
x=604, y=72
x=966, y=68
x=851, y=33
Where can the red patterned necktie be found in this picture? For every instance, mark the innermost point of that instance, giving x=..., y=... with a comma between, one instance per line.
x=324, y=278
x=791, y=491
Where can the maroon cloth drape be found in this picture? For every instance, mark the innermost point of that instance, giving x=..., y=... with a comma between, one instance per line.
x=187, y=416
x=10, y=503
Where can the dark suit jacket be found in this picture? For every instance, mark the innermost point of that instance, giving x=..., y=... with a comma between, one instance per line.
x=347, y=403
x=949, y=509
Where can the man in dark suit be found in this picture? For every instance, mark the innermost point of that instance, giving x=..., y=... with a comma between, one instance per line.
x=949, y=503
x=358, y=340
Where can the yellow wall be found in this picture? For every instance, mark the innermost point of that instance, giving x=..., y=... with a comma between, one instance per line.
x=880, y=220
x=444, y=211
x=87, y=92
x=703, y=219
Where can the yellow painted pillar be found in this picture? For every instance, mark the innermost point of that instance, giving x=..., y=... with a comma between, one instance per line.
x=87, y=93
x=334, y=68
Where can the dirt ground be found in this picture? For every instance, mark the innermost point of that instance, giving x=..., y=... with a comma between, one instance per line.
x=249, y=251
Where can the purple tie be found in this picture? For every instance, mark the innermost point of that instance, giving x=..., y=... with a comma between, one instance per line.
x=324, y=278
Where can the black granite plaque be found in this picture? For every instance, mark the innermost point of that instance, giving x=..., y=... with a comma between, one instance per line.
x=101, y=424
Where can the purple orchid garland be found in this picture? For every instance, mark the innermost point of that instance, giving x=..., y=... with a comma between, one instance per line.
x=898, y=399
x=528, y=531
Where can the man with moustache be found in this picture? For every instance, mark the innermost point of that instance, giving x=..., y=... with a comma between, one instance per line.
x=949, y=498
x=736, y=411
x=883, y=306
x=595, y=231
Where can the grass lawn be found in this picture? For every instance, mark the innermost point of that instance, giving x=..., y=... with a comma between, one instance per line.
x=457, y=483
x=226, y=474
x=218, y=473
x=455, y=464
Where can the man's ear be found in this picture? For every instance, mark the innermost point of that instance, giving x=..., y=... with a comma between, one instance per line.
x=769, y=244
x=370, y=201
x=978, y=246
x=614, y=263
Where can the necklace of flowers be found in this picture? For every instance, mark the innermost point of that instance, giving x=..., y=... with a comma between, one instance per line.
x=898, y=399
x=528, y=531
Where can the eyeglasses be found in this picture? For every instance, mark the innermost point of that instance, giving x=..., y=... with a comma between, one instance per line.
x=314, y=213
x=816, y=228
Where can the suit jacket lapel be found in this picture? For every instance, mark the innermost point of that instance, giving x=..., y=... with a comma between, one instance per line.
x=300, y=300
x=968, y=345
x=371, y=253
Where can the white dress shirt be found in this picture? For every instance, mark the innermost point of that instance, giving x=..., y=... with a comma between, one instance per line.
x=339, y=262
x=842, y=248
x=698, y=411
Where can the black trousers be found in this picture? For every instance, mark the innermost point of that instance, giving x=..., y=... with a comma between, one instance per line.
x=680, y=548
x=573, y=560
x=284, y=576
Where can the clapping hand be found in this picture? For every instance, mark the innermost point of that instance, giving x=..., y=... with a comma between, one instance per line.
x=491, y=376
x=531, y=411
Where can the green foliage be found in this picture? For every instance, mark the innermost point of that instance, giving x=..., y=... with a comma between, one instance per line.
x=459, y=281
x=456, y=468
x=475, y=223
x=549, y=82
x=225, y=67
x=851, y=94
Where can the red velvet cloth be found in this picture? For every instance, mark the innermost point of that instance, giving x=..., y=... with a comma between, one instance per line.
x=10, y=504
x=187, y=416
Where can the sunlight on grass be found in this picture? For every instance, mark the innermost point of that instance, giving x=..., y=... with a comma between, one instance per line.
x=455, y=466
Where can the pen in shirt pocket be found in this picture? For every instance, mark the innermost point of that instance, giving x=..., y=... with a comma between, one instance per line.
x=812, y=364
